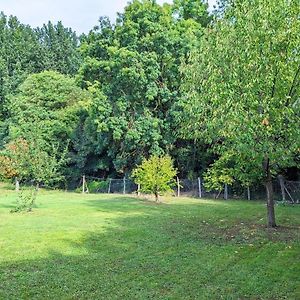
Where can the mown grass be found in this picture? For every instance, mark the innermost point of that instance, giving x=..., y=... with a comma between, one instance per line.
x=75, y=246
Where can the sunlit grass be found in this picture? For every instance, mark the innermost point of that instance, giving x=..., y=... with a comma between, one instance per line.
x=75, y=246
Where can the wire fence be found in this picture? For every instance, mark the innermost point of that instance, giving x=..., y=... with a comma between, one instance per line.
x=287, y=191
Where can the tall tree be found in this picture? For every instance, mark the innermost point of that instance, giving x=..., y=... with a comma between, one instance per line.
x=243, y=91
x=133, y=68
x=24, y=51
x=54, y=103
x=59, y=48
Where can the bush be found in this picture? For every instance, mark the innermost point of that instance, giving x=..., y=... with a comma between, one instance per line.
x=97, y=186
x=156, y=175
x=25, y=201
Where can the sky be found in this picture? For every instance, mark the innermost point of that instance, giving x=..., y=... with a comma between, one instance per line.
x=80, y=15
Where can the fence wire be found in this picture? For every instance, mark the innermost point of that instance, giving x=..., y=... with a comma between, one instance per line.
x=289, y=191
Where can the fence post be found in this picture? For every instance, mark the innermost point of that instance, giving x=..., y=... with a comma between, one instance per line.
x=178, y=187
x=282, y=187
x=109, y=186
x=17, y=184
x=199, y=187
x=83, y=184
x=248, y=193
x=226, y=191
x=124, y=185
x=139, y=189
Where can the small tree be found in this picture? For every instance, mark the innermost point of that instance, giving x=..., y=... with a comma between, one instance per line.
x=14, y=161
x=32, y=159
x=155, y=175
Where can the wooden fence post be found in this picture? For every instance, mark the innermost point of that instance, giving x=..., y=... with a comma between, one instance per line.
x=178, y=187
x=124, y=185
x=199, y=187
x=109, y=186
x=248, y=193
x=282, y=187
x=83, y=184
x=139, y=189
x=226, y=191
x=17, y=184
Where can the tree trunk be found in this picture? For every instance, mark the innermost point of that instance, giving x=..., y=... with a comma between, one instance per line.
x=156, y=196
x=270, y=196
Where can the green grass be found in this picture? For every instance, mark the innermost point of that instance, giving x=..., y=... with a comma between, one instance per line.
x=75, y=246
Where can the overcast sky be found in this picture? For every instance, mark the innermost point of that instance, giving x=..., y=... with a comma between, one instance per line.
x=80, y=15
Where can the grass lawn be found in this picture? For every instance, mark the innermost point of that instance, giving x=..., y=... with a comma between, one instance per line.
x=75, y=246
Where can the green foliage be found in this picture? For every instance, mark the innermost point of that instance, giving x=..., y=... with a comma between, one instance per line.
x=243, y=88
x=45, y=166
x=97, y=186
x=132, y=69
x=59, y=48
x=50, y=99
x=235, y=100
x=243, y=92
x=24, y=51
x=31, y=159
x=192, y=9
x=155, y=175
x=25, y=201
x=52, y=103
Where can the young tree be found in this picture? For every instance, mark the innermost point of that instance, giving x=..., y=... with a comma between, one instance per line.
x=243, y=91
x=14, y=160
x=155, y=175
x=32, y=159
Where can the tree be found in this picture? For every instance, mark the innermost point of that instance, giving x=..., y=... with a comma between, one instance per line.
x=243, y=92
x=133, y=69
x=155, y=175
x=14, y=160
x=53, y=103
x=24, y=51
x=59, y=48
x=192, y=9
x=32, y=159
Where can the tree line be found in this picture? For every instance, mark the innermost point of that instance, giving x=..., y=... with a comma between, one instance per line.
x=111, y=94
x=217, y=91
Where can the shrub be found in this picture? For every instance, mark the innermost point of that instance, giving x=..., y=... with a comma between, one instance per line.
x=155, y=175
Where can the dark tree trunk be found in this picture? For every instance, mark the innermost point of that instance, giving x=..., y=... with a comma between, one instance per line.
x=156, y=196
x=270, y=195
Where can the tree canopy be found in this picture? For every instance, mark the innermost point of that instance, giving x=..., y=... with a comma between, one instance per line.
x=216, y=90
x=243, y=92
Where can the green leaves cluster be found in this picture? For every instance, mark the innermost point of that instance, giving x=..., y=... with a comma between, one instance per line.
x=243, y=89
x=132, y=68
x=24, y=51
x=155, y=175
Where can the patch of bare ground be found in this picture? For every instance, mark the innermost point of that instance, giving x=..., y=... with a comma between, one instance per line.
x=237, y=233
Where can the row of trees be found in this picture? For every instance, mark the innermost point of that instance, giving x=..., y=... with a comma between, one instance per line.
x=218, y=92
x=114, y=97
x=24, y=51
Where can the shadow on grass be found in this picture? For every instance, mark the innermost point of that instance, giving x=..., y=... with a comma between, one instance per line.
x=165, y=252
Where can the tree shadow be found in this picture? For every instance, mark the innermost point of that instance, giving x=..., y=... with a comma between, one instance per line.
x=153, y=252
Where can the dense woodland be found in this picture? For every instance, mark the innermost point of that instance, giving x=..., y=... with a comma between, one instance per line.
x=218, y=91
